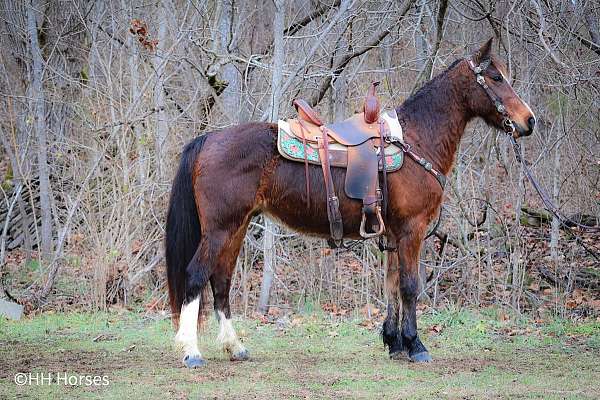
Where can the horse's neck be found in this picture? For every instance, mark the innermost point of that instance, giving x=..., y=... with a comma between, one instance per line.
x=435, y=120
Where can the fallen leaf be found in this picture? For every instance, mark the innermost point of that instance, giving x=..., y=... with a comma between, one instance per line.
x=274, y=311
x=369, y=311
x=136, y=246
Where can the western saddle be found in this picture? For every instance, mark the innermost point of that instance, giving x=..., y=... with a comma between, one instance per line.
x=363, y=153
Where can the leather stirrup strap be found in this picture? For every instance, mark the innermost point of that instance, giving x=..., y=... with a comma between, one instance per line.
x=336, y=226
x=366, y=160
x=383, y=170
x=383, y=239
x=303, y=129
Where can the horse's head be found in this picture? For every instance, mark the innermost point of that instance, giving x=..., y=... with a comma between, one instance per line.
x=492, y=97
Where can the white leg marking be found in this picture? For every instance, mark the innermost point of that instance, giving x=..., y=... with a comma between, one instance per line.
x=187, y=335
x=227, y=336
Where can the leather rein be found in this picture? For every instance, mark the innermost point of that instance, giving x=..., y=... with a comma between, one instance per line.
x=509, y=129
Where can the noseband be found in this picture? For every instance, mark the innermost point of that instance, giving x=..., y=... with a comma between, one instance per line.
x=507, y=123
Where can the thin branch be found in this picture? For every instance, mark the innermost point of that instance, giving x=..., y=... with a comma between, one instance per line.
x=296, y=26
x=425, y=74
x=592, y=45
x=485, y=15
x=344, y=6
x=129, y=122
x=343, y=63
x=542, y=28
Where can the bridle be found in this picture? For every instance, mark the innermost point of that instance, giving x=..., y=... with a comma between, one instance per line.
x=507, y=123
x=509, y=129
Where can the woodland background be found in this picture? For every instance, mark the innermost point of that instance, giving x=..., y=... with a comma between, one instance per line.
x=99, y=97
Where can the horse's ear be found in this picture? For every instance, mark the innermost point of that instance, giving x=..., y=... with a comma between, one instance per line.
x=484, y=52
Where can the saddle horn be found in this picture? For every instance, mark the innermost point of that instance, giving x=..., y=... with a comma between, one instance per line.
x=371, y=106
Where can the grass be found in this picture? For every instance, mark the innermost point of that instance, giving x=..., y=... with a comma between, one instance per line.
x=476, y=355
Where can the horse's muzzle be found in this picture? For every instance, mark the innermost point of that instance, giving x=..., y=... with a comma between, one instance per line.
x=522, y=131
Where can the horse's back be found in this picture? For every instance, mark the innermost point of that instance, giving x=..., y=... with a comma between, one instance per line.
x=250, y=142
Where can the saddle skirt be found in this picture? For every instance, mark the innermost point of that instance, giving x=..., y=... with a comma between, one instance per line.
x=292, y=134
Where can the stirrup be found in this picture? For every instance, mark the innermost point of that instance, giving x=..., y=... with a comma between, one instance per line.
x=363, y=232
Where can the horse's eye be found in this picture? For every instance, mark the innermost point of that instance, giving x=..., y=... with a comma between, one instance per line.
x=497, y=78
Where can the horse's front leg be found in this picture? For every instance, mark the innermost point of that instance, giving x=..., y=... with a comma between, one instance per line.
x=409, y=248
x=390, y=332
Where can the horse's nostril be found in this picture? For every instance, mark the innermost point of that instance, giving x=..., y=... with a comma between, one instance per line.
x=531, y=123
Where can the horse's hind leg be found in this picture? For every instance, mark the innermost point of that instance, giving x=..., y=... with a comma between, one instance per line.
x=215, y=261
x=221, y=284
x=187, y=334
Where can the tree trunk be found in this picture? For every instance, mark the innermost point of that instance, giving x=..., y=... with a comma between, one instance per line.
x=340, y=106
x=231, y=96
x=429, y=60
x=162, y=127
x=555, y=230
x=40, y=128
x=592, y=24
x=16, y=136
x=134, y=66
x=269, y=255
x=269, y=235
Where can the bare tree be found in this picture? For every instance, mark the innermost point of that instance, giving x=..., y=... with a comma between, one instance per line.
x=162, y=126
x=37, y=92
x=277, y=65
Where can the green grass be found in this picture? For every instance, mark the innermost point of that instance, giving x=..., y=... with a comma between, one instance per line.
x=476, y=355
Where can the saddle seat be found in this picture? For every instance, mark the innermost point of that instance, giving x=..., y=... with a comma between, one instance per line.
x=350, y=132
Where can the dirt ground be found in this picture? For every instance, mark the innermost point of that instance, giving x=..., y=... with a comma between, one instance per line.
x=476, y=355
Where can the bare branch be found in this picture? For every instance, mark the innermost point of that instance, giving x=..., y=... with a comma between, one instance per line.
x=345, y=60
x=296, y=26
x=542, y=28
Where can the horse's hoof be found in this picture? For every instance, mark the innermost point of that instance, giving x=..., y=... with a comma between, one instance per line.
x=194, y=362
x=420, y=357
x=397, y=355
x=240, y=356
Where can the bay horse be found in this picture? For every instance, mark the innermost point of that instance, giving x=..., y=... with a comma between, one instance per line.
x=228, y=176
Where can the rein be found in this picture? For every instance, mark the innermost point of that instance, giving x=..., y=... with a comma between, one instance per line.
x=509, y=129
x=548, y=204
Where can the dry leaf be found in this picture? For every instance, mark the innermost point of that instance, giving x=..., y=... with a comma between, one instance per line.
x=274, y=311
x=369, y=311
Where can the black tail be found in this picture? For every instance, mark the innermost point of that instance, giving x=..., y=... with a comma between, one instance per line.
x=183, y=230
